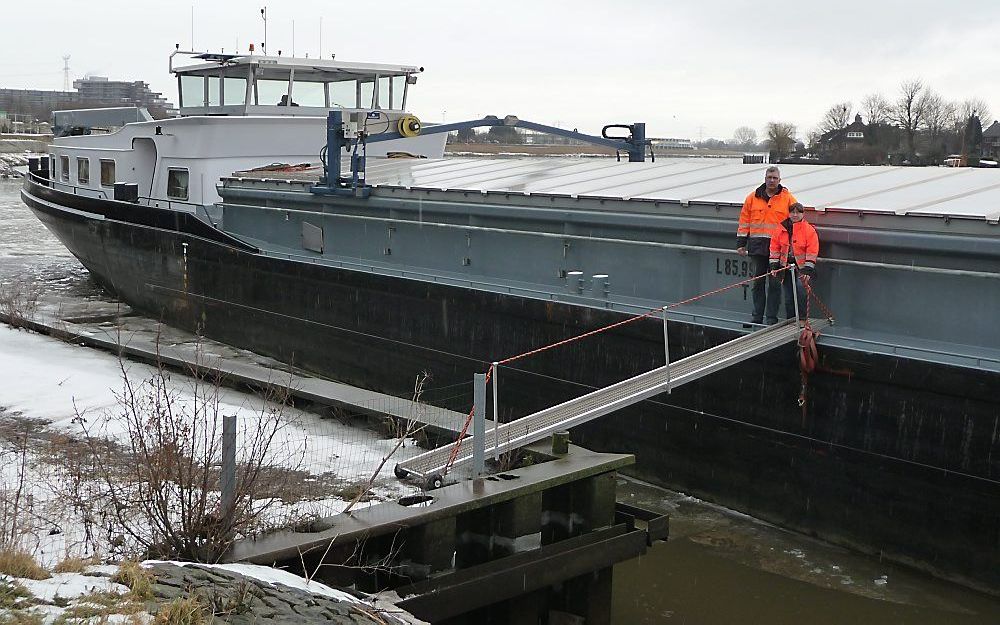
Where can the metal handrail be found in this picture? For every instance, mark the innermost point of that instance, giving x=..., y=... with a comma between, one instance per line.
x=54, y=183
x=103, y=195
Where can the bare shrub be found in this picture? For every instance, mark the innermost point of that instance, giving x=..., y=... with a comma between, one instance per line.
x=19, y=300
x=16, y=518
x=161, y=489
x=73, y=564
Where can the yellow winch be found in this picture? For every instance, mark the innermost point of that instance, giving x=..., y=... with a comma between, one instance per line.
x=408, y=126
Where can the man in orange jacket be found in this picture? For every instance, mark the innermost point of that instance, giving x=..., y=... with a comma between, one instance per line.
x=795, y=242
x=763, y=210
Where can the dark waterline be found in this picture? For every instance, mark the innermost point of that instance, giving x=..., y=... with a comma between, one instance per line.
x=718, y=567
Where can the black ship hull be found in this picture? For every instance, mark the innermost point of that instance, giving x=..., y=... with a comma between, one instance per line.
x=888, y=455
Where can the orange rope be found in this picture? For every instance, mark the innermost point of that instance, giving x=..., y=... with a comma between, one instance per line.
x=642, y=316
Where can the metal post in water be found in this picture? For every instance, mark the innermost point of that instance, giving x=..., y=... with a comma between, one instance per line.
x=496, y=413
x=666, y=347
x=227, y=480
x=795, y=291
x=479, y=426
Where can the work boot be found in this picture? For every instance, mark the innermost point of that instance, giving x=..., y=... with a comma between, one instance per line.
x=771, y=321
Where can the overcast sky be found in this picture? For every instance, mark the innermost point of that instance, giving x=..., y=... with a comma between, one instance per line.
x=688, y=69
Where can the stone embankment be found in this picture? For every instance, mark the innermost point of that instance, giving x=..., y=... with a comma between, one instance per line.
x=239, y=599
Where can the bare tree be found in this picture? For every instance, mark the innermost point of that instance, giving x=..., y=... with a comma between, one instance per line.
x=836, y=117
x=745, y=137
x=909, y=112
x=938, y=113
x=875, y=109
x=780, y=138
x=973, y=107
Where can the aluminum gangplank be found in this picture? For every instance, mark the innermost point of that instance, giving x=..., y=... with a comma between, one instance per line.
x=432, y=465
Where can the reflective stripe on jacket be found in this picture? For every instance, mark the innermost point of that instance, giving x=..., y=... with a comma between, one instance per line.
x=760, y=217
x=804, y=246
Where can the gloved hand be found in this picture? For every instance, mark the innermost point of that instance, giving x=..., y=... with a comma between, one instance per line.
x=774, y=266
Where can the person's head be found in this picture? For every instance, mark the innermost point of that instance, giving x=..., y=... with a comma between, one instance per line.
x=772, y=178
x=796, y=212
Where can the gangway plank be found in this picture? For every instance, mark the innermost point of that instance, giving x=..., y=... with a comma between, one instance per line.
x=579, y=410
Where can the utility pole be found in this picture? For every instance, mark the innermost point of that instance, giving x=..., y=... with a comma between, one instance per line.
x=66, y=73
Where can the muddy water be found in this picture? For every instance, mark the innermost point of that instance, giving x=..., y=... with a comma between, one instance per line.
x=721, y=567
x=718, y=567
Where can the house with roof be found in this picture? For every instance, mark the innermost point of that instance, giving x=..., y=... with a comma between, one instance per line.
x=851, y=135
x=991, y=141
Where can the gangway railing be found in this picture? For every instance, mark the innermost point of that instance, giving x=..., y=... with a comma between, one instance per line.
x=432, y=465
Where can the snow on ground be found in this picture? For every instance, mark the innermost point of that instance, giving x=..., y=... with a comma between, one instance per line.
x=50, y=382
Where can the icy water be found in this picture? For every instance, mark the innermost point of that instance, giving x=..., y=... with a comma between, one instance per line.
x=718, y=567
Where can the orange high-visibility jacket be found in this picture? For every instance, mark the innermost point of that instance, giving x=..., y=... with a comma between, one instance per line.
x=804, y=245
x=760, y=217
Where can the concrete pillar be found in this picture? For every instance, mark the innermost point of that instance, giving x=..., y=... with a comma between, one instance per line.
x=517, y=525
x=593, y=503
x=474, y=533
x=429, y=548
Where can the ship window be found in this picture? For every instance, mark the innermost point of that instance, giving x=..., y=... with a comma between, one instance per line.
x=344, y=94
x=192, y=91
x=177, y=183
x=107, y=172
x=367, y=93
x=235, y=91
x=214, y=88
x=383, y=92
x=308, y=93
x=83, y=170
x=64, y=167
x=269, y=92
x=398, y=87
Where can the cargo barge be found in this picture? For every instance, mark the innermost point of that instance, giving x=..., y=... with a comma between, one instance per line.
x=446, y=266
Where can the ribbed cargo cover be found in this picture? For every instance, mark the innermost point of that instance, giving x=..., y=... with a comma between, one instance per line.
x=936, y=191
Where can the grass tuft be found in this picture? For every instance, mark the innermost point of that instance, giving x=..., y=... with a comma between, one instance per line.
x=138, y=579
x=182, y=611
x=17, y=563
x=74, y=565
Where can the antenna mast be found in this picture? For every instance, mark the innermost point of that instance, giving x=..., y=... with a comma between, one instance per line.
x=66, y=73
x=263, y=15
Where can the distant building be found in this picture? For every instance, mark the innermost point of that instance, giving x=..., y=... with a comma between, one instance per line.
x=91, y=92
x=120, y=92
x=991, y=141
x=36, y=102
x=670, y=143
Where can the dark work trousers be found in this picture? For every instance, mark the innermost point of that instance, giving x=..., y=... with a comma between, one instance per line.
x=785, y=280
x=761, y=288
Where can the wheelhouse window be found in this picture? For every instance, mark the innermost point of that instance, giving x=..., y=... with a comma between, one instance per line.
x=83, y=170
x=344, y=94
x=177, y=183
x=192, y=90
x=234, y=91
x=107, y=172
x=367, y=95
x=398, y=87
x=64, y=168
